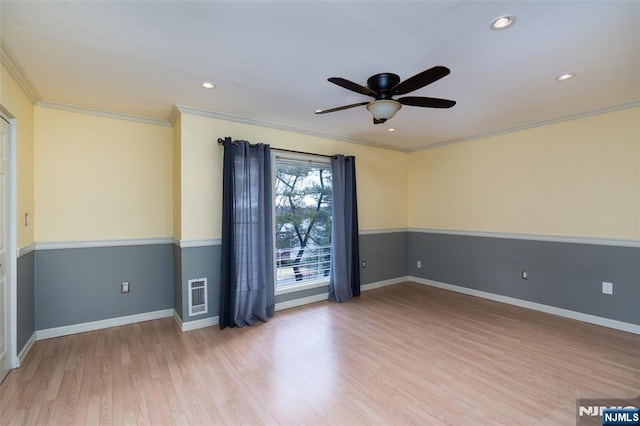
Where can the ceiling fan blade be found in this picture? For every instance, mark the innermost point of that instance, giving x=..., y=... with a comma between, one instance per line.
x=354, y=87
x=420, y=80
x=324, y=111
x=376, y=121
x=420, y=101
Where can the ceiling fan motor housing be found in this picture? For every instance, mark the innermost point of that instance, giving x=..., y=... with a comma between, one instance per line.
x=382, y=84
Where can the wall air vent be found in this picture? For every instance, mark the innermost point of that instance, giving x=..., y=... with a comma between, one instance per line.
x=198, y=301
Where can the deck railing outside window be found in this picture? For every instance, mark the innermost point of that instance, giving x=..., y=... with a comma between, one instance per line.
x=314, y=264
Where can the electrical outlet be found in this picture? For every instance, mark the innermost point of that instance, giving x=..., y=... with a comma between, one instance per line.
x=364, y=264
x=419, y=264
x=607, y=288
x=124, y=287
x=525, y=275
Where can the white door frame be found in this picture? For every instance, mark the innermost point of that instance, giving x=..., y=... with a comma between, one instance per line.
x=12, y=271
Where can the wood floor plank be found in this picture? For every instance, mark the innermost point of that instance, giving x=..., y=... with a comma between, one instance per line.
x=403, y=354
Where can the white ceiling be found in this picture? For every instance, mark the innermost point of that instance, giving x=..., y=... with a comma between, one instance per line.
x=270, y=60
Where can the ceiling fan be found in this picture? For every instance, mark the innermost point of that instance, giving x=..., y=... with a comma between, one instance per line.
x=382, y=87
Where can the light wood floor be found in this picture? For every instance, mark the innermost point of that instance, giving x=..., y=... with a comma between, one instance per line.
x=404, y=354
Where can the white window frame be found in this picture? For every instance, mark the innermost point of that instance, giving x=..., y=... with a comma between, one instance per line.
x=312, y=160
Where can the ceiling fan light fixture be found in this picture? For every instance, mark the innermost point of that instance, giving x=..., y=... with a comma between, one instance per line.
x=383, y=109
x=503, y=22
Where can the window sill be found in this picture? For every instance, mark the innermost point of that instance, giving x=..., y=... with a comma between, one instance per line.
x=293, y=288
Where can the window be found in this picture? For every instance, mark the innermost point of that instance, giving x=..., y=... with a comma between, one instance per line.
x=302, y=202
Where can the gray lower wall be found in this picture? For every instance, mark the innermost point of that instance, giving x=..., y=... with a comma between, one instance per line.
x=287, y=297
x=563, y=275
x=177, y=280
x=64, y=287
x=200, y=262
x=74, y=286
x=26, y=299
x=385, y=253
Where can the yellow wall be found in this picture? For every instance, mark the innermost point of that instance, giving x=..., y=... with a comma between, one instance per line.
x=381, y=174
x=575, y=178
x=16, y=102
x=177, y=179
x=99, y=178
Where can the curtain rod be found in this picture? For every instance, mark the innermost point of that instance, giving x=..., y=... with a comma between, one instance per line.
x=221, y=141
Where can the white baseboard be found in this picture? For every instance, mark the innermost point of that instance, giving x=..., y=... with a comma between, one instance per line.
x=196, y=324
x=26, y=349
x=579, y=316
x=288, y=304
x=176, y=317
x=98, y=325
x=187, y=325
x=325, y=296
x=378, y=284
x=208, y=322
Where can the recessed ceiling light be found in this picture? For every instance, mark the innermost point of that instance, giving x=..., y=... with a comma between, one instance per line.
x=502, y=22
x=564, y=77
x=391, y=129
x=208, y=85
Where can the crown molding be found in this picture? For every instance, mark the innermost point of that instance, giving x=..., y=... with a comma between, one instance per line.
x=530, y=125
x=173, y=115
x=101, y=113
x=18, y=74
x=183, y=109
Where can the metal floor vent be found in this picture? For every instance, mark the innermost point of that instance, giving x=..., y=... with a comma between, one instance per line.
x=198, y=301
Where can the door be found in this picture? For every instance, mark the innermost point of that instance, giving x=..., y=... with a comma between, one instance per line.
x=5, y=356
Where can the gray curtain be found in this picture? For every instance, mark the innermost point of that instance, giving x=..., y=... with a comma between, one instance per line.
x=247, y=274
x=344, y=282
